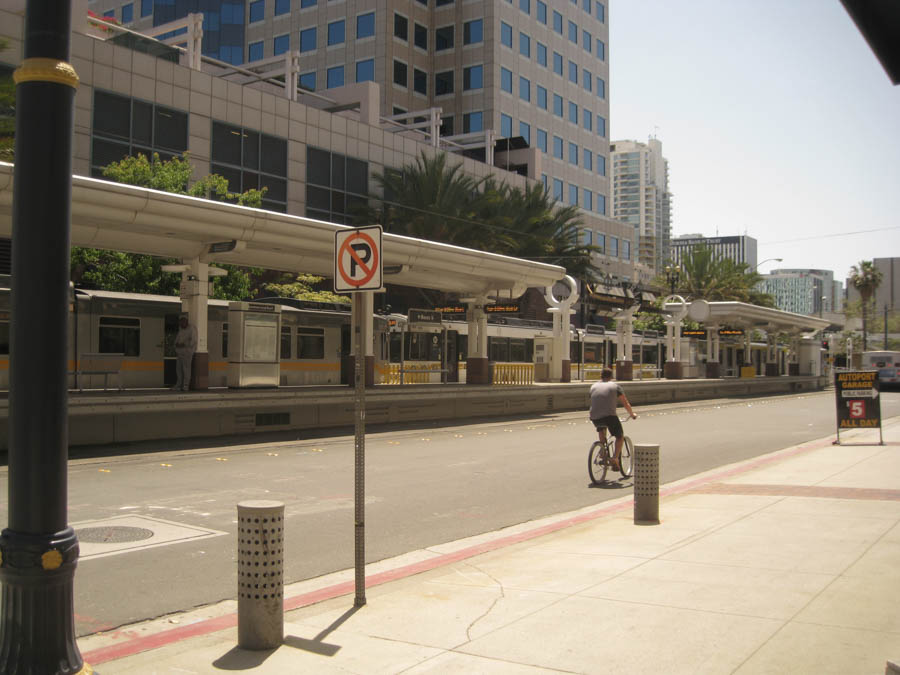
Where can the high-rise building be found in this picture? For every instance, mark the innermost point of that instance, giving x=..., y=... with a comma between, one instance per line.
x=740, y=248
x=641, y=197
x=801, y=291
x=887, y=295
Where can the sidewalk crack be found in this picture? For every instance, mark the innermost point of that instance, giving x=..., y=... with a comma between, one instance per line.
x=493, y=604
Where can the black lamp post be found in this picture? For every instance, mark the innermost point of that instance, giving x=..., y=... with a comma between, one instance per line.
x=673, y=275
x=39, y=550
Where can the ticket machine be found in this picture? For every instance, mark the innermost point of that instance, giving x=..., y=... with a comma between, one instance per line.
x=254, y=331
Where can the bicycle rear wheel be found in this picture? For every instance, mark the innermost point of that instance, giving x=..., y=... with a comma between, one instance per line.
x=597, y=463
x=626, y=461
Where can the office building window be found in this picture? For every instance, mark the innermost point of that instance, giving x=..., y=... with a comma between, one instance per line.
x=525, y=6
x=601, y=126
x=124, y=127
x=573, y=154
x=441, y=3
x=473, y=121
x=626, y=249
x=505, y=34
x=524, y=89
x=473, y=32
x=281, y=44
x=473, y=77
x=249, y=160
x=447, y=125
x=588, y=160
x=400, y=74
x=282, y=7
x=365, y=25
x=557, y=147
x=586, y=6
x=307, y=3
x=401, y=27
x=544, y=181
x=255, y=51
x=573, y=32
x=601, y=87
x=308, y=40
x=420, y=36
x=573, y=72
x=308, y=81
x=542, y=140
x=586, y=41
x=335, y=185
x=601, y=12
x=505, y=80
x=443, y=83
x=612, y=248
x=128, y=13
x=587, y=199
x=587, y=117
x=525, y=131
x=600, y=241
x=505, y=125
x=334, y=77
x=573, y=112
x=541, y=11
x=557, y=189
x=601, y=204
x=365, y=70
x=587, y=237
x=573, y=195
x=541, y=95
x=557, y=22
x=146, y=7
x=336, y=32
x=601, y=50
x=443, y=38
x=542, y=54
x=257, y=10
x=420, y=82
x=557, y=105
x=601, y=164
x=524, y=45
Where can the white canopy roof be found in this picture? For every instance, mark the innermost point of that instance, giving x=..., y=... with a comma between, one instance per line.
x=139, y=220
x=745, y=315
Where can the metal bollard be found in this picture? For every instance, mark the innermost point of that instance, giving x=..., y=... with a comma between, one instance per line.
x=646, y=484
x=260, y=574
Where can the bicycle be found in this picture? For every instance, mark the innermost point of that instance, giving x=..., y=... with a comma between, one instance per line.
x=600, y=457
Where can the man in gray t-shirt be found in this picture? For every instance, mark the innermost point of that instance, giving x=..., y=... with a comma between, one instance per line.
x=604, y=397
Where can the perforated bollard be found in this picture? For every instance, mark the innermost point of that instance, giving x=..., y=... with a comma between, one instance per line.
x=646, y=484
x=260, y=574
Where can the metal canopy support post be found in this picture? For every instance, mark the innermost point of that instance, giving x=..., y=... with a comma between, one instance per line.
x=359, y=501
x=39, y=550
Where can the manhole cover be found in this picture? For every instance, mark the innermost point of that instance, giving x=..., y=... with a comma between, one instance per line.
x=112, y=535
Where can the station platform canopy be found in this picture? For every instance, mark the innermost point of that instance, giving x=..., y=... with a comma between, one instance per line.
x=133, y=219
x=744, y=315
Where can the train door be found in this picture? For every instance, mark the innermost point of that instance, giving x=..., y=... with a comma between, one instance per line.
x=451, y=355
x=170, y=330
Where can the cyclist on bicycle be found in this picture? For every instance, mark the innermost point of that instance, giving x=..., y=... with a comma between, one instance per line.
x=604, y=397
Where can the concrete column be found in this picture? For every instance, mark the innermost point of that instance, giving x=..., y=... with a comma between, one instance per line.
x=561, y=309
x=624, y=337
x=713, y=370
x=195, y=287
x=477, y=361
x=771, y=354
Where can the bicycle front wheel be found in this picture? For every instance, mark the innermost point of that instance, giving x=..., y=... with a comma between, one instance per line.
x=597, y=464
x=626, y=461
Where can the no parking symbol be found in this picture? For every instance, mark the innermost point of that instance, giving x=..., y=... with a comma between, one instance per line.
x=357, y=260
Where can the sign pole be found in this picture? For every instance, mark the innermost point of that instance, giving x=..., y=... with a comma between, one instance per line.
x=359, y=445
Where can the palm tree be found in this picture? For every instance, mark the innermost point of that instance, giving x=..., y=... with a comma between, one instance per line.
x=865, y=278
x=710, y=277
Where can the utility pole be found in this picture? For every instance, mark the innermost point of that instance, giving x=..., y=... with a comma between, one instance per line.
x=39, y=550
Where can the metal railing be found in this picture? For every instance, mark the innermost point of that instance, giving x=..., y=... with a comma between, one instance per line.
x=513, y=373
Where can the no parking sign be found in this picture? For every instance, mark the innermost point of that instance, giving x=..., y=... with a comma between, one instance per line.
x=357, y=260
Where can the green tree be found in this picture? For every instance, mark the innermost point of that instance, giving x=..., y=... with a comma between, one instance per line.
x=705, y=275
x=304, y=287
x=7, y=112
x=866, y=279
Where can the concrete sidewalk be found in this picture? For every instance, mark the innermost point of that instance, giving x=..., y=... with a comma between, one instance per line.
x=787, y=563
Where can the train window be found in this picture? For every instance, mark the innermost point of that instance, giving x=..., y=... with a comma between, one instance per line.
x=521, y=349
x=225, y=340
x=498, y=348
x=286, y=342
x=310, y=343
x=4, y=337
x=119, y=335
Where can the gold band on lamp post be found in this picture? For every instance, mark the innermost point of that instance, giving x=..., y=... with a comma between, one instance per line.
x=46, y=70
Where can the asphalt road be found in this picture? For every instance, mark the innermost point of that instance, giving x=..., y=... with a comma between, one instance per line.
x=423, y=487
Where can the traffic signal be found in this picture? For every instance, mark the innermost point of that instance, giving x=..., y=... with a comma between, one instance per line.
x=824, y=344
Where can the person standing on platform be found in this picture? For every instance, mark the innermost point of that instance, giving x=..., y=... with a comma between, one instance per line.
x=185, y=346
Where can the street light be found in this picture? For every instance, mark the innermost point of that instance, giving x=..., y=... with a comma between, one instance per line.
x=767, y=260
x=673, y=274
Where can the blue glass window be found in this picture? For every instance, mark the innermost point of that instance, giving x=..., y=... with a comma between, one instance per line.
x=257, y=10
x=308, y=81
x=524, y=89
x=473, y=77
x=525, y=131
x=281, y=44
x=473, y=32
x=505, y=125
x=308, y=40
x=365, y=25
x=557, y=22
x=282, y=7
x=541, y=95
x=601, y=50
x=336, y=32
x=524, y=45
x=473, y=121
x=586, y=6
x=588, y=160
x=557, y=63
x=557, y=147
x=601, y=87
x=601, y=204
x=573, y=112
x=365, y=70
x=128, y=13
x=307, y=3
x=335, y=77
x=587, y=199
x=110, y=13
x=573, y=154
x=573, y=72
x=587, y=118
x=542, y=54
x=443, y=38
x=573, y=195
x=587, y=80
x=505, y=34
x=525, y=6
x=146, y=7
x=443, y=83
x=506, y=80
x=601, y=126
x=541, y=11
x=601, y=12
x=586, y=41
x=613, y=248
x=542, y=140
x=601, y=164
x=557, y=105
x=255, y=51
x=573, y=32
x=557, y=189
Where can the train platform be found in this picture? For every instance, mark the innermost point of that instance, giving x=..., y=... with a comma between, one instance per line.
x=785, y=563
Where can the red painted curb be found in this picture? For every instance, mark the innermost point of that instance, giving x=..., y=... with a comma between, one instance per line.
x=146, y=643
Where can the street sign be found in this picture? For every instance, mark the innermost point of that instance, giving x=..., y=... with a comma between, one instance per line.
x=357, y=260
x=858, y=401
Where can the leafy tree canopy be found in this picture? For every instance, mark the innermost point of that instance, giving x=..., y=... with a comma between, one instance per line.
x=705, y=275
x=304, y=287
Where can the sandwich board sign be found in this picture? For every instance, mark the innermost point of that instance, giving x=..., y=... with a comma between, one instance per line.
x=357, y=260
x=858, y=401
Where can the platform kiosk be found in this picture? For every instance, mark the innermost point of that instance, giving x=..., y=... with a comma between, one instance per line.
x=254, y=331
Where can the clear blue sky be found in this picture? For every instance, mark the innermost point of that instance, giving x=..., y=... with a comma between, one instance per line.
x=777, y=120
